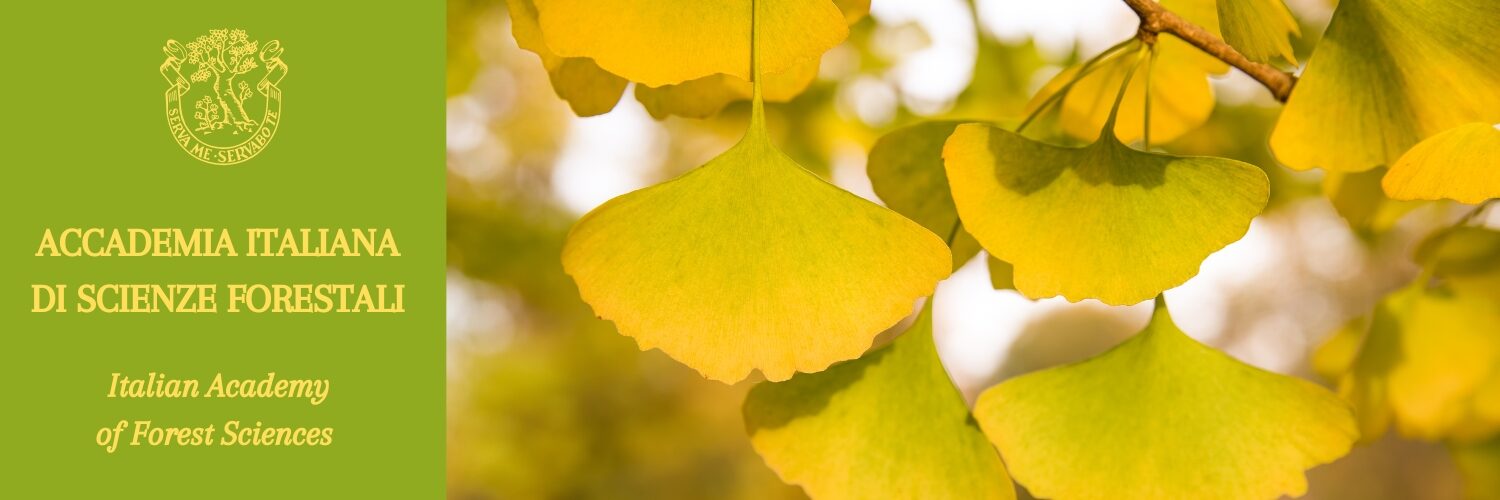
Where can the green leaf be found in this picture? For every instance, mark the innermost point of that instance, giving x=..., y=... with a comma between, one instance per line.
x=1388, y=74
x=662, y=42
x=906, y=170
x=1162, y=416
x=1462, y=164
x=1103, y=221
x=887, y=425
x=1259, y=28
x=752, y=262
x=1002, y=274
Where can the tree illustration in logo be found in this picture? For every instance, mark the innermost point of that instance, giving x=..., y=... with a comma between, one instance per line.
x=222, y=56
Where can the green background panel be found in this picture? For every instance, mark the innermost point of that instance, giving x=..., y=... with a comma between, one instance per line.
x=85, y=144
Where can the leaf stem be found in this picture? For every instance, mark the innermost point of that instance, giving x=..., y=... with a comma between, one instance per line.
x=1088, y=67
x=1156, y=19
x=1114, y=110
x=1146, y=110
x=757, y=103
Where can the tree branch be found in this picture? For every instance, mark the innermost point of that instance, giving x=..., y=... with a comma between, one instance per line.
x=1156, y=19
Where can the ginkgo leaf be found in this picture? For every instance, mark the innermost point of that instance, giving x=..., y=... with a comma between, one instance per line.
x=662, y=42
x=1103, y=221
x=1162, y=416
x=1424, y=363
x=1448, y=348
x=906, y=171
x=705, y=97
x=1358, y=198
x=887, y=425
x=588, y=89
x=750, y=262
x=1002, y=274
x=1461, y=164
x=1387, y=75
x=1259, y=28
x=1181, y=98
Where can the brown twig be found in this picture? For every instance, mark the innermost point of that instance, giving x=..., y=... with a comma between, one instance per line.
x=1156, y=19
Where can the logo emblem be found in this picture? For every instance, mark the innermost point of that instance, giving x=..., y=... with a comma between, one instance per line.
x=226, y=109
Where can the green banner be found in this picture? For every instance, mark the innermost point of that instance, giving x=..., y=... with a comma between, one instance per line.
x=223, y=250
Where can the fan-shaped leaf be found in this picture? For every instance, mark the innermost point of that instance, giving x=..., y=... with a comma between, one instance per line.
x=662, y=42
x=906, y=170
x=1162, y=416
x=1387, y=75
x=1104, y=221
x=887, y=425
x=752, y=262
x=1460, y=164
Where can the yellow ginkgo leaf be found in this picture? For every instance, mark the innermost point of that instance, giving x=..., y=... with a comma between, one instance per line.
x=705, y=97
x=1424, y=363
x=1181, y=98
x=1387, y=75
x=1259, y=28
x=1462, y=163
x=1103, y=221
x=1448, y=348
x=906, y=171
x=1162, y=416
x=662, y=42
x=588, y=89
x=750, y=262
x=887, y=425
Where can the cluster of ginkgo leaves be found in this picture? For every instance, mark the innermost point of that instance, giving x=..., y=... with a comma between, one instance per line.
x=750, y=262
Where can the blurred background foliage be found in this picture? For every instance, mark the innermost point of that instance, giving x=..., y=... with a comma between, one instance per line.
x=546, y=401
